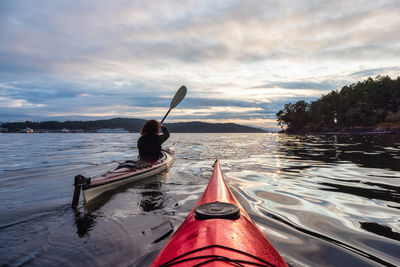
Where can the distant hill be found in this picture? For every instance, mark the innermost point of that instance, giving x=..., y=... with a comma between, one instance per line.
x=203, y=127
x=132, y=125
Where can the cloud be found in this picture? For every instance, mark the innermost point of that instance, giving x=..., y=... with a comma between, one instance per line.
x=116, y=57
x=17, y=103
x=376, y=71
x=322, y=85
x=58, y=34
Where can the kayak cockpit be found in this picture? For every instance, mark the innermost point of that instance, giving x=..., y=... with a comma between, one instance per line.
x=216, y=254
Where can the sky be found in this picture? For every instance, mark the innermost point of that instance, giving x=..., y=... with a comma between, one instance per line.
x=241, y=60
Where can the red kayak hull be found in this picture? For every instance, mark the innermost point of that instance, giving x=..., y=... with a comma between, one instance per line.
x=215, y=242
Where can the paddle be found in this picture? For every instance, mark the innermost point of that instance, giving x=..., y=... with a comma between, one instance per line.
x=179, y=96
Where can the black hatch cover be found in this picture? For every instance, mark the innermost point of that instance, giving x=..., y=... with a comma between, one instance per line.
x=217, y=210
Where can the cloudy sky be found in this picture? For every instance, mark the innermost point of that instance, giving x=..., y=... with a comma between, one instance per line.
x=240, y=60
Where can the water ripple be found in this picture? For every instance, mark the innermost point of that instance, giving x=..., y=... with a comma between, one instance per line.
x=321, y=200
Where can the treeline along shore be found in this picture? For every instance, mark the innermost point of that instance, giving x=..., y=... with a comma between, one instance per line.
x=372, y=105
x=123, y=124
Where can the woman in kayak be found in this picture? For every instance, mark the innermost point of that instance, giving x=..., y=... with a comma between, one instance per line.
x=149, y=143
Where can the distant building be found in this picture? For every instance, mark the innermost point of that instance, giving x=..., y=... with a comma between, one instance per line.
x=27, y=130
x=112, y=130
x=3, y=130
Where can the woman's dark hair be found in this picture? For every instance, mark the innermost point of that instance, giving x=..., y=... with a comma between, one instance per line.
x=150, y=128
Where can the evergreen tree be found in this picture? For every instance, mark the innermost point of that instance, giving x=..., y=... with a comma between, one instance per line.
x=363, y=104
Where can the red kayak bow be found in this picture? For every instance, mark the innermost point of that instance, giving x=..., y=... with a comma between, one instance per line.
x=218, y=232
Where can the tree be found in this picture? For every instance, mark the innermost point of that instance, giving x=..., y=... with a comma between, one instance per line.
x=364, y=104
x=294, y=115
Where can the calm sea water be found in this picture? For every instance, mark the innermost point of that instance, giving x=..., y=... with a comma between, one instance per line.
x=320, y=200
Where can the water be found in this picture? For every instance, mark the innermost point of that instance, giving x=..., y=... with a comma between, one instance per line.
x=320, y=200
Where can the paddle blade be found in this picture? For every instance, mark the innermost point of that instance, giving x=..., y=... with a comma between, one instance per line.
x=179, y=96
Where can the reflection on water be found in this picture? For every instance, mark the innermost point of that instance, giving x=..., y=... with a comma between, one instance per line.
x=382, y=230
x=369, y=151
x=386, y=192
x=321, y=200
x=151, y=199
x=84, y=222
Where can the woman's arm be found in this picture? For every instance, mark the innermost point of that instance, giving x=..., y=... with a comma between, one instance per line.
x=165, y=135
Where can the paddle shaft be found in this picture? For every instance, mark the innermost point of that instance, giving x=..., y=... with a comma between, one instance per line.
x=165, y=116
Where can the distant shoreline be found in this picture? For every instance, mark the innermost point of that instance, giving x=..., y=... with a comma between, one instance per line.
x=120, y=125
x=291, y=133
x=358, y=130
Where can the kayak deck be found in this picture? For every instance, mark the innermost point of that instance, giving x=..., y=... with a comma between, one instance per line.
x=126, y=172
x=215, y=241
